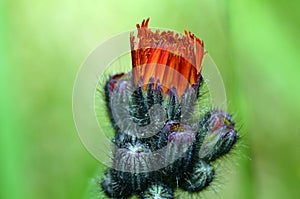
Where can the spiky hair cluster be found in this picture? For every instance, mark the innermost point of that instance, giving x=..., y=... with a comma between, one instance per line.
x=159, y=145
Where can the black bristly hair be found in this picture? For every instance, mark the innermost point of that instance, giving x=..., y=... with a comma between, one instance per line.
x=190, y=172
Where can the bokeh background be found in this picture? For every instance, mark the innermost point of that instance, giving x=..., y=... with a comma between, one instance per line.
x=43, y=43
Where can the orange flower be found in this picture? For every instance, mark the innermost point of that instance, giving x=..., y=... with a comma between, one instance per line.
x=171, y=59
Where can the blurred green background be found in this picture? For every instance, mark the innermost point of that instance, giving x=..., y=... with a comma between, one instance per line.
x=43, y=43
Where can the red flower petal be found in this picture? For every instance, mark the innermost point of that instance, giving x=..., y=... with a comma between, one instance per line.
x=173, y=60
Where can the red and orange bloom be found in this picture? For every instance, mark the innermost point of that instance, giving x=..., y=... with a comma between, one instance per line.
x=166, y=57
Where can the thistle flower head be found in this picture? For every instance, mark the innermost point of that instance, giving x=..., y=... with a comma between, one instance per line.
x=159, y=145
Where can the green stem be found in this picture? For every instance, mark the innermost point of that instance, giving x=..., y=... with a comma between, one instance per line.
x=10, y=181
